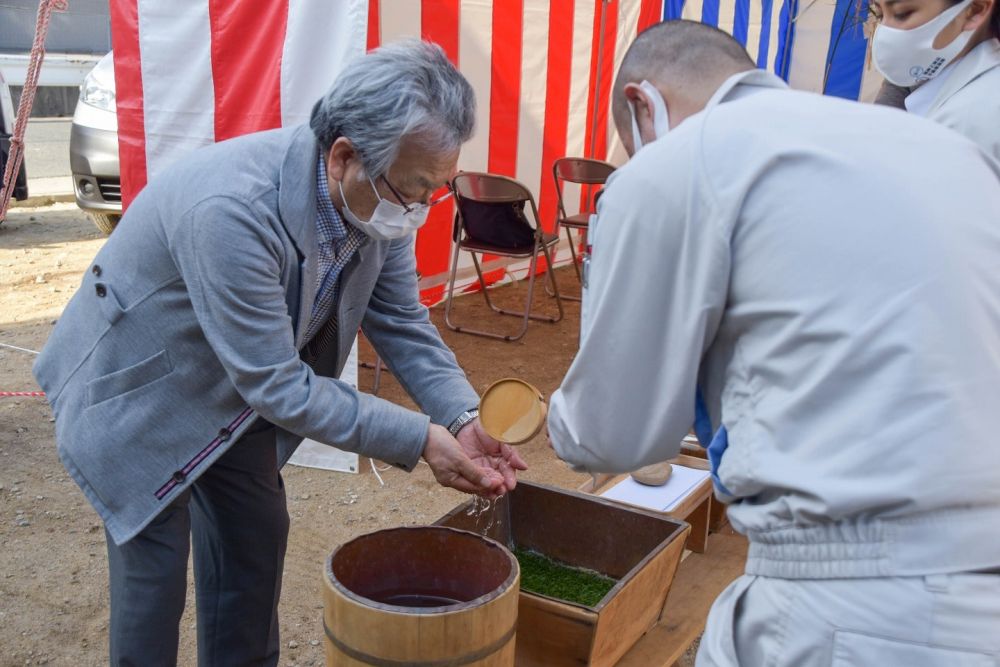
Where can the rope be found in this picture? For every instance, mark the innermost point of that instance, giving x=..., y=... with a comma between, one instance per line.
x=16, y=155
x=31, y=394
x=19, y=349
x=375, y=470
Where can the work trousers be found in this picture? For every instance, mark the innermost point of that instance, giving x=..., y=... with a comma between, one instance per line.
x=236, y=517
x=944, y=620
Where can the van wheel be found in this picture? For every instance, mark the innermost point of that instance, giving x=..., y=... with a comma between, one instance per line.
x=105, y=222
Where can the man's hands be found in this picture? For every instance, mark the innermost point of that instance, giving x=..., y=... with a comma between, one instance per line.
x=474, y=463
x=489, y=453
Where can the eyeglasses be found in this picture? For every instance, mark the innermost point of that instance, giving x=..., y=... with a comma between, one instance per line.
x=410, y=208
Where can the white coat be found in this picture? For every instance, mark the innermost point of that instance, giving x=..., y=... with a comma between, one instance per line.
x=968, y=101
x=830, y=284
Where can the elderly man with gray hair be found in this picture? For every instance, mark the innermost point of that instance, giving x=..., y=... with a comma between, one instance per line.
x=207, y=335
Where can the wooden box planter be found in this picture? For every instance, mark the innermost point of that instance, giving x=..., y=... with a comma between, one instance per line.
x=639, y=548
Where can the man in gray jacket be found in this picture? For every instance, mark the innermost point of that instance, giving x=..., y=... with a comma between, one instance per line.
x=206, y=337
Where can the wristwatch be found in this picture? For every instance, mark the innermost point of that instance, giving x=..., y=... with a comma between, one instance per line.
x=462, y=420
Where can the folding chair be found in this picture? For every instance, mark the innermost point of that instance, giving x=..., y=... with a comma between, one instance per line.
x=491, y=220
x=583, y=171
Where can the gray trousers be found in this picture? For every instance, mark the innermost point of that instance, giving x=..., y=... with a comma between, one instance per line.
x=236, y=517
x=941, y=620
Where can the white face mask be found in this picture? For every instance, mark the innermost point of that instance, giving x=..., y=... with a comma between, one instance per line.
x=389, y=221
x=661, y=120
x=908, y=57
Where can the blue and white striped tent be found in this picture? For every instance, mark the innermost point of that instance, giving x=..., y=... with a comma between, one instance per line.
x=816, y=45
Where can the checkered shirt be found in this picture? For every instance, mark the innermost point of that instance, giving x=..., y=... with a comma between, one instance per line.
x=337, y=243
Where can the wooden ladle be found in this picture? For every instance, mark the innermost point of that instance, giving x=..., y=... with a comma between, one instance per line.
x=512, y=411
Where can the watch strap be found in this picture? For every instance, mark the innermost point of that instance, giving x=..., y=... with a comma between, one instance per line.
x=462, y=420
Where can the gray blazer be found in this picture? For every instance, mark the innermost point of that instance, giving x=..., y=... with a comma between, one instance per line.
x=189, y=325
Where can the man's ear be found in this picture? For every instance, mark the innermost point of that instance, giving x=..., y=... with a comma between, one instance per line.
x=341, y=152
x=978, y=13
x=635, y=97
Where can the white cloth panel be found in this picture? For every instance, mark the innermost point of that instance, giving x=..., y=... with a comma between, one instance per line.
x=534, y=70
x=475, y=42
x=320, y=39
x=312, y=454
x=400, y=19
x=177, y=87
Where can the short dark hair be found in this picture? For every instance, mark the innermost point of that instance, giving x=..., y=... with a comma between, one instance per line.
x=693, y=50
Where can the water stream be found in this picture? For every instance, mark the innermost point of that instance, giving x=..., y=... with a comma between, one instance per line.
x=485, y=511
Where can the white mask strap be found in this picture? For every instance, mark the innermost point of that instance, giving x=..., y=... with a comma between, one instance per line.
x=636, y=137
x=661, y=119
x=374, y=189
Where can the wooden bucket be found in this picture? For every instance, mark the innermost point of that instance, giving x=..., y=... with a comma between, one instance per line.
x=424, y=596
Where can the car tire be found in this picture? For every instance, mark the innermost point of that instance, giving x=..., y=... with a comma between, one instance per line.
x=105, y=221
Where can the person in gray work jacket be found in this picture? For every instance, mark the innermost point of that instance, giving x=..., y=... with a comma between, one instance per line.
x=205, y=339
x=814, y=284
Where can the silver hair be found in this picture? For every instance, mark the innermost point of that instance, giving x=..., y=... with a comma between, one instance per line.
x=404, y=89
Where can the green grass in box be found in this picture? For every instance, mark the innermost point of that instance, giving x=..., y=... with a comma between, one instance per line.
x=544, y=576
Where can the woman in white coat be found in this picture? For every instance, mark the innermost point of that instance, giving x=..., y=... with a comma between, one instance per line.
x=944, y=56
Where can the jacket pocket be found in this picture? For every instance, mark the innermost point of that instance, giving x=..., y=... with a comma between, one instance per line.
x=854, y=649
x=127, y=379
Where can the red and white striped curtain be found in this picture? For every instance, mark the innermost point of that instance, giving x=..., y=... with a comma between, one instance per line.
x=191, y=72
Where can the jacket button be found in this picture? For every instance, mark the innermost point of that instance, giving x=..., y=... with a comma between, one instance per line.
x=101, y=290
x=179, y=476
x=96, y=270
x=224, y=434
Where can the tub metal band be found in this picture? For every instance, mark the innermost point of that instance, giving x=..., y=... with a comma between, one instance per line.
x=466, y=659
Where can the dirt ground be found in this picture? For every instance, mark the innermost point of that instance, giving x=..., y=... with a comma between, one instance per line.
x=53, y=563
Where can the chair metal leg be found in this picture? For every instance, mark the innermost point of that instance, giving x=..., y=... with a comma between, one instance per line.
x=482, y=284
x=456, y=249
x=555, y=288
x=377, y=366
x=378, y=375
x=548, y=288
x=525, y=314
x=532, y=275
x=576, y=267
x=572, y=252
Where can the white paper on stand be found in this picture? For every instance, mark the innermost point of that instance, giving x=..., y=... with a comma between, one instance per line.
x=312, y=454
x=664, y=498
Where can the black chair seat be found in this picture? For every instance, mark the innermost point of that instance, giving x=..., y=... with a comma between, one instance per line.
x=523, y=251
x=493, y=219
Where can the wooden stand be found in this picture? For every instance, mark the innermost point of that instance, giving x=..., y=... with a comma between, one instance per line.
x=696, y=508
x=715, y=560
